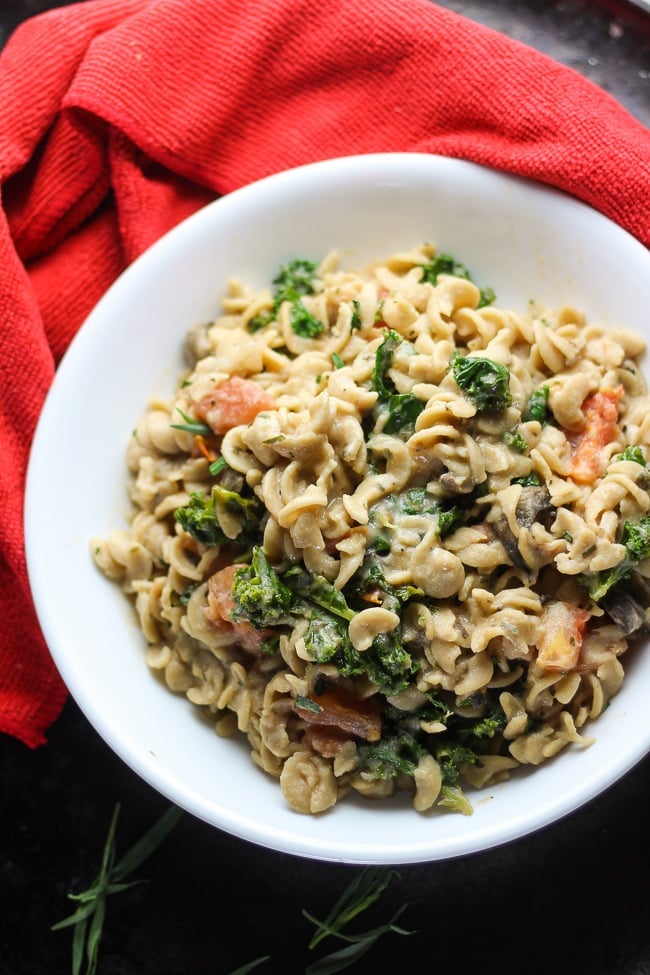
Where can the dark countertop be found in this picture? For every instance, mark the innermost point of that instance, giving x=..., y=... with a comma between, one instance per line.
x=571, y=898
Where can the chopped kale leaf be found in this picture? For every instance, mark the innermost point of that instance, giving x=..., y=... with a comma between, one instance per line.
x=200, y=517
x=391, y=756
x=293, y=280
x=528, y=480
x=636, y=539
x=327, y=638
x=260, y=597
x=303, y=322
x=634, y=454
x=537, y=406
x=449, y=756
x=403, y=408
x=445, y=264
x=317, y=589
x=484, y=382
x=515, y=441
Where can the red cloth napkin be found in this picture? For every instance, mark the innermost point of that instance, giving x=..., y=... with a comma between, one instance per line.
x=120, y=117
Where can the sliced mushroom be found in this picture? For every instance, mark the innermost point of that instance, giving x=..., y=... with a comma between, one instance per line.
x=623, y=609
x=534, y=503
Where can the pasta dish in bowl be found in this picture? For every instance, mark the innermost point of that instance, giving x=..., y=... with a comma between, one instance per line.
x=389, y=529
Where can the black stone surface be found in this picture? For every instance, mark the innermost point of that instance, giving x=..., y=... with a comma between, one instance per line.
x=571, y=898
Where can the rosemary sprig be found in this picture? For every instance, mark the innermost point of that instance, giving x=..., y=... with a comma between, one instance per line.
x=217, y=466
x=245, y=969
x=88, y=919
x=191, y=426
x=361, y=892
x=366, y=888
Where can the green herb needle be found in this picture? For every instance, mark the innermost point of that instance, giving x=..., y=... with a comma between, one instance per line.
x=363, y=891
x=88, y=919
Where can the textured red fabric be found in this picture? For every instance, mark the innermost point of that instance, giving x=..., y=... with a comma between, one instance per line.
x=120, y=117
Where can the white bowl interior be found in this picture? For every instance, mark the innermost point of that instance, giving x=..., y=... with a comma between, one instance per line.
x=527, y=242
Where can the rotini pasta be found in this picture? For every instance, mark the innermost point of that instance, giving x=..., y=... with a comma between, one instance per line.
x=395, y=535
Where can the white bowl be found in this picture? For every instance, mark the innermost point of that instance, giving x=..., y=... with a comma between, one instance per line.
x=525, y=240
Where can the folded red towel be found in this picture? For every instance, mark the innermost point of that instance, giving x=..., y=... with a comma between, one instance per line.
x=120, y=117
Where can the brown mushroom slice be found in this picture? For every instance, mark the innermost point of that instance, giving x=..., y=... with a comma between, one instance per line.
x=534, y=504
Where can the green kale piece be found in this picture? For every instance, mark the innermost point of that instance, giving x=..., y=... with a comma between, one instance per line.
x=381, y=382
x=199, y=518
x=452, y=797
x=449, y=756
x=391, y=756
x=434, y=709
x=292, y=281
x=528, y=480
x=416, y=501
x=636, y=539
x=489, y=726
x=318, y=589
x=404, y=742
x=326, y=638
x=487, y=296
x=303, y=322
x=371, y=577
x=537, y=406
x=399, y=754
x=445, y=264
x=403, y=408
x=634, y=454
x=258, y=322
x=515, y=441
x=251, y=509
x=452, y=516
x=472, y=732
x=268, y=599
x=484, y=382
x=388, y=663
x=260, y=597
x=270, y=644
x=186, y=595
x=449, y=519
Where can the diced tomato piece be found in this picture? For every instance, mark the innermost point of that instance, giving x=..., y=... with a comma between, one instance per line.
x=233, y=402
x=220, y=586
x=562, y=633
x=327, y=741
x=360, y=718
x=601, y=427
